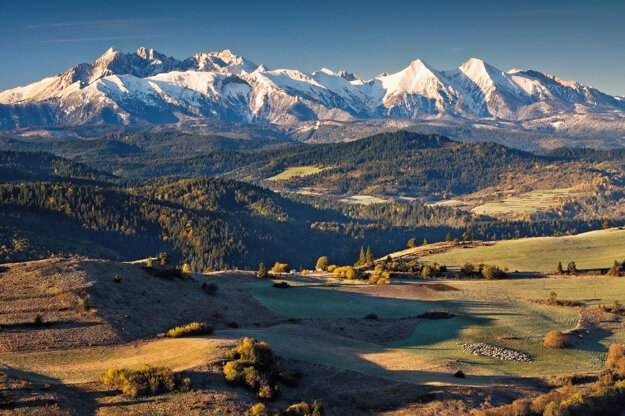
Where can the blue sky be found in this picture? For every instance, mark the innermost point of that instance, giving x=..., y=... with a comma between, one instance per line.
x=577, y=40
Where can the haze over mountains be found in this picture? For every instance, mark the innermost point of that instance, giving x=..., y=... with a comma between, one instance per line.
x=149, y=88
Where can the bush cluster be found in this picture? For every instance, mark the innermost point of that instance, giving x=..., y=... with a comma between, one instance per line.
x=482, y=271
x=144, y=381
x=432, y=270
x=401, y=265
x=348, y=272
x=552, y=299
x=379, y=277
x=194, y=328
x=298, y=409
x=210, y=288
x=280, y=268
x=253, y=365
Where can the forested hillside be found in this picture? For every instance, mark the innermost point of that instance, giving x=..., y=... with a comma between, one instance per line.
x=55, y=206
x=426, y=167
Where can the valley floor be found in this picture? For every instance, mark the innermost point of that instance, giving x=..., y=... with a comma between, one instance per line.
x=393, y=364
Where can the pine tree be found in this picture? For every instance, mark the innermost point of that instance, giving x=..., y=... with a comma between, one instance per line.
x=448, y=237
x=559, y=268
x=571, y=268
x=369, y=257
x=262, y=271
x=362, y=259
x=425, y=241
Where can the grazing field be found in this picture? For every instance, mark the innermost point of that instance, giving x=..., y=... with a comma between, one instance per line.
x=296, y=171
x=595, y=249
x=363, y=199
x=502, y=313
x=493, y=312
x=529, y=202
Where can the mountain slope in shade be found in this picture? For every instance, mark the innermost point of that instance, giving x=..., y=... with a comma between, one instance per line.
x=147, y=87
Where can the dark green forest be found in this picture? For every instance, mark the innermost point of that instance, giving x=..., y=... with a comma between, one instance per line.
x=52, y=206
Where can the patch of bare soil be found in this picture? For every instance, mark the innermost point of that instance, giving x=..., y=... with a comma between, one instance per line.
x=81, y=304
x=410, y=291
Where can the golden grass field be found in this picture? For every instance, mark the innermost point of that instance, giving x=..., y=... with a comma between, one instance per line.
x=595, y=249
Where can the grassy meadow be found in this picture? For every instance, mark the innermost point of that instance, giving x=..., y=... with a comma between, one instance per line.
x=529, y=202
x=501, y=313
x=595, y=249
x=296, y=171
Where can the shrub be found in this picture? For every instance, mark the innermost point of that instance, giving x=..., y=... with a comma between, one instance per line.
x=186, y=269
x=426, y=272
x=194, y=328
x=5, y=399
x=412, y=243
x=379, y=278
x=38, y=320
x=144, y=381
x=149, y=264
x=571, y=379
x=259, y=409
x=281, y=285
x=304, y=409
x=616, y=360
x=371, y=316
x=322, y=263
x=210, y=288
x=556, y=339
x=253, y=366
x=332, y=267
x=492, y=272
x=300, y=409
x=164, y=258
x=117, y=279
x=251, y=351
x=459, y=374
x=552, y=299
x=84, y=305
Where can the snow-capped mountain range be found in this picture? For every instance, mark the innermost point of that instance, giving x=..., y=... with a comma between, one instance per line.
x=147, y=87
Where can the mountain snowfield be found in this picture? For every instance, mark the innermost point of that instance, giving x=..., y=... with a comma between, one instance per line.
x=147, y=87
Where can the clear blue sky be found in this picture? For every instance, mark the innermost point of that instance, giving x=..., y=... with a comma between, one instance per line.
x=579, y=40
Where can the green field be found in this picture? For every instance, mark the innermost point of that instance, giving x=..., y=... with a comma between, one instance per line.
x=529, y=202
x=296, y=171
x=495, y=312
x=595, y=249
x=499, y=312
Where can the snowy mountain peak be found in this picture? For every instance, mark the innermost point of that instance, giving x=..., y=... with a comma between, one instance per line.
x=348, y=76
x=147, y=87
